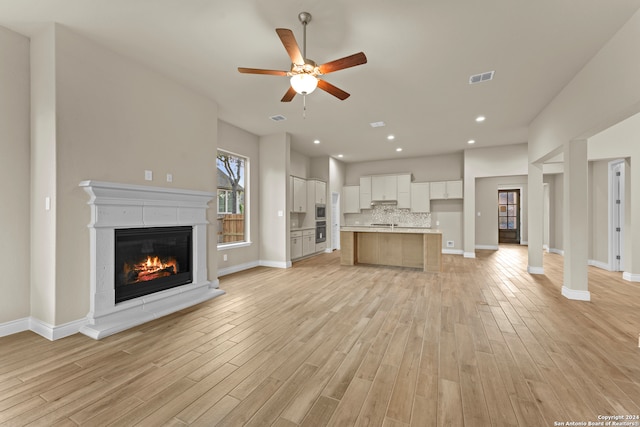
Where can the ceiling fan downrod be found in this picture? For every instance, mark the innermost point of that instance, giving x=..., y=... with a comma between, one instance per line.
x=304, y=18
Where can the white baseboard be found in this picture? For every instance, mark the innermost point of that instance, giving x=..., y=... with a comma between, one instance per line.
x=453, y=251
x=524, y=242
x=469, y=254
x=274, y=264
x=576, y=295
x=535, y=270
x=237, y=268
x=630, y=277
x=53, y=333
x=15, y=326
x=488, y=247
x=599, y=264
x=556, y=251
x=41, y=328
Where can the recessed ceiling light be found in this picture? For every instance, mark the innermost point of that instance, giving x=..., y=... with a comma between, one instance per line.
x=471, y=141
x=377, y=124
x=340, y=155
x=480, y=119
x=391, y=137
x=398, y=149
x=316, y=141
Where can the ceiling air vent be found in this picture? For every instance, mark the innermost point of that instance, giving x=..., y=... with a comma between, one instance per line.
x=278, y=118
x=482, y=77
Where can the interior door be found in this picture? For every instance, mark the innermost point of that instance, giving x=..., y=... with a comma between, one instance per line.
x=509, y=216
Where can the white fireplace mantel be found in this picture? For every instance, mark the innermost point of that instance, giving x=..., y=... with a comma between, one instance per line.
x=115, y=206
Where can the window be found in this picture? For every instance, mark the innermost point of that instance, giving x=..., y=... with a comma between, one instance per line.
x=232, y=192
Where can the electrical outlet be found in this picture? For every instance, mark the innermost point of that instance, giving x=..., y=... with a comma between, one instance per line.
x=450, y=243
x=169, y=177
x=148, y=175
x=224, y=257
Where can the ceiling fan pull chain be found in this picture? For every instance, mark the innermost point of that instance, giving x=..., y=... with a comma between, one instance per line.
x=304, y=106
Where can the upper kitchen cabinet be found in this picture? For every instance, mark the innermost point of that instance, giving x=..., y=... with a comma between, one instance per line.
x=320, y=189
x=384, y=187
x=404, y=191
x=420, y=197
x=365, y=192
x=298, y=188
x=351, y=199
x=446, y=190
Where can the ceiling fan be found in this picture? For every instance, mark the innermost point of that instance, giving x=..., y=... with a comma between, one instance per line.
x=304, y=72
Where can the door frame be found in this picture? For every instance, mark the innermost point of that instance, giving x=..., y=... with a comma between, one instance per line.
x=335, y=221
x=520, y=223
x=616, y=243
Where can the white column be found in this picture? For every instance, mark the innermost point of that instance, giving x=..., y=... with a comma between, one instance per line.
x=536, y=219
x=575, y=221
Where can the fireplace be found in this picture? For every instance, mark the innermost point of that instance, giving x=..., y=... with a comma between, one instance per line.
x=149, y=260
x=138, y=233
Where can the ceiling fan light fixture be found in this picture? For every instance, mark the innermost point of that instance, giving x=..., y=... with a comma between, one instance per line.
x=304, y=84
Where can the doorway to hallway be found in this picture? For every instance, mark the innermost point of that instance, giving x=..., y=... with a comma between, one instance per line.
x=509, y=216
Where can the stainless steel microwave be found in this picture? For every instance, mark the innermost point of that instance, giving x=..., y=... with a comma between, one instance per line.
x=321, y=211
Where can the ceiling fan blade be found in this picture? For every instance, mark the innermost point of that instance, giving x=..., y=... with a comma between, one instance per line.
x=289, y=95
x=333, y=90
x=261, y=71
x=291, y=45
x=342, y=63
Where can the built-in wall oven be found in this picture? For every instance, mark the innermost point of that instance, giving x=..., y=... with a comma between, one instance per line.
x=321, y=212
x=321, y=231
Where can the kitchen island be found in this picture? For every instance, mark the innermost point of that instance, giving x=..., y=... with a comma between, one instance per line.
x=394, y=246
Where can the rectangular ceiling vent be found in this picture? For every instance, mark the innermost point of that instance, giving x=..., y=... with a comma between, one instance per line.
x=482, y=77
x=377, y=124
x=278, y=118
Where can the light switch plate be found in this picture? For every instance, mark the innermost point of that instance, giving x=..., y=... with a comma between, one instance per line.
x=148, y=175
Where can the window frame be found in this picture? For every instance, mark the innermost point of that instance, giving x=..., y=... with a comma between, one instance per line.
x=246, y=198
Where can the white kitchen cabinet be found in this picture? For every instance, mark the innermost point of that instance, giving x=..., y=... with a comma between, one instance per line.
x=321, y=247
x=316, y=194
x=298, y=194
x=321, y=192
x=351, y=199
x=384, y=187
x=446, y=190
x=296, y=244
x=454, y=189
x=365, y=192
x=404, y=191
x=308, y=242
x=420, y=199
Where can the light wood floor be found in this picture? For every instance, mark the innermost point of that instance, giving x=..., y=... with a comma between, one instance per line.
x=483, y=343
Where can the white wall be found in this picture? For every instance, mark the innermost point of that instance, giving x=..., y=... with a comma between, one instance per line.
x=44, y=178
x=505, y=161
x=14, y=176
x=100, y=116
x=599, y=211
x=274, y=189
x=300, y=165
x=243, y=143
x=424, y=169
x=602, y=94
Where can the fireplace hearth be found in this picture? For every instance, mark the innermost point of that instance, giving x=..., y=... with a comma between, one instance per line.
x=153, y=259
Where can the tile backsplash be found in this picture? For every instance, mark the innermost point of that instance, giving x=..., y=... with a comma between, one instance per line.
x=385, y=214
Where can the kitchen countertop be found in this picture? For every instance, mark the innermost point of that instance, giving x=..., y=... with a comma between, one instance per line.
x=388, y=229
x=302, y=229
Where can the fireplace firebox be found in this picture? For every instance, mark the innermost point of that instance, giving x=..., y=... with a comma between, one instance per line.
x=149, y=260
